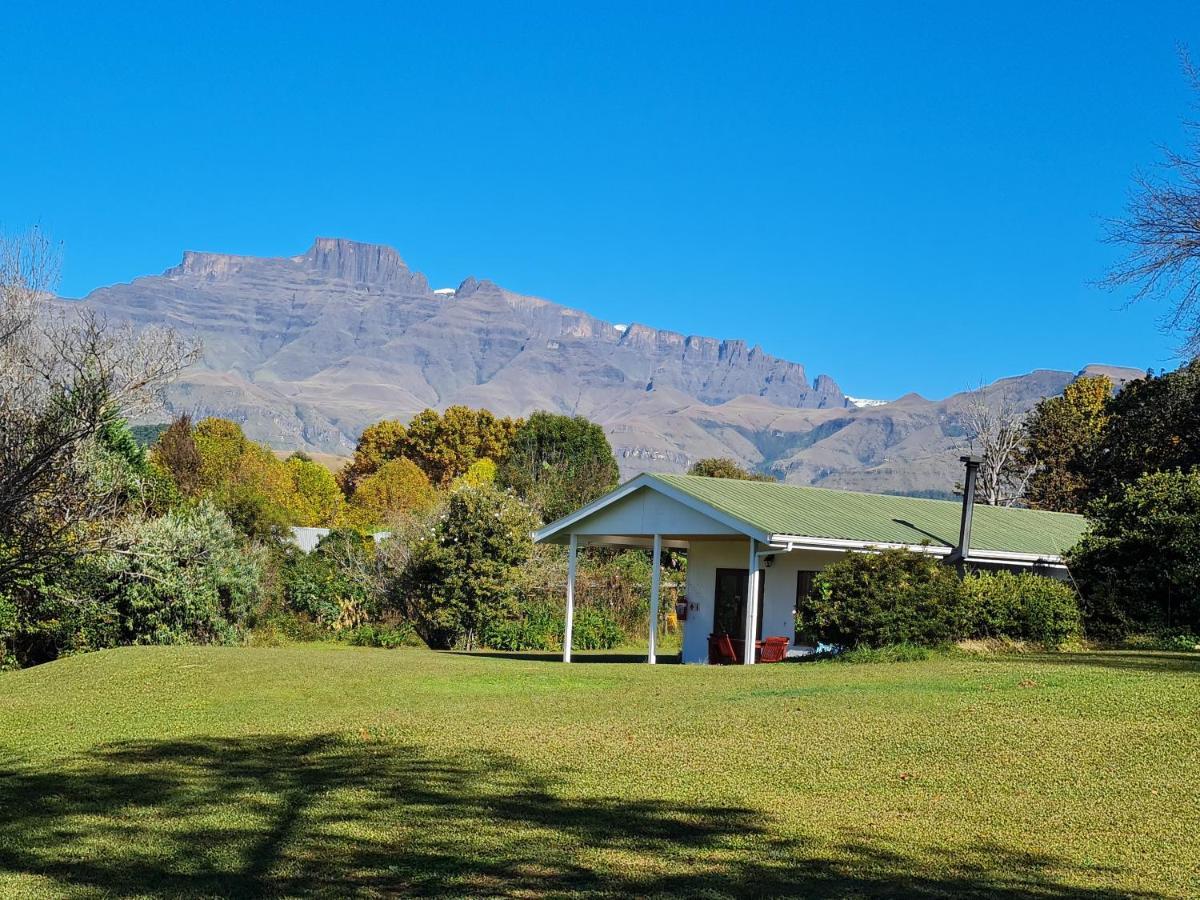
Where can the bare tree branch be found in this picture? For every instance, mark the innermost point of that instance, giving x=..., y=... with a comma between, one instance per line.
x=65, y=372
x=996, y=431
x=1161, y=233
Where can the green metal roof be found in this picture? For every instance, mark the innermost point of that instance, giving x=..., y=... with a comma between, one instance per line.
x=788, y=509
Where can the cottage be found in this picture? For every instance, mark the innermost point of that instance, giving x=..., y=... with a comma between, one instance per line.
x=767, y=540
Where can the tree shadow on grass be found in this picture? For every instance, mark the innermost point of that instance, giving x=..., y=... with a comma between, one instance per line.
x=344, y=816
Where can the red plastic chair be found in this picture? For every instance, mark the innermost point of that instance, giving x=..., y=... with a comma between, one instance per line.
x=774, y=649
x=720, y=651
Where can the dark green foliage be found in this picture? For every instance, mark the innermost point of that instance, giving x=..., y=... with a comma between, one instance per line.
x=461, y=575
x=333, y=583
x=1022, y=606
x=1139, y=565
x=725, y=468
x=558, y=463
x=899, y=597
x=1153, y=426
x=890, y=597
x=146, y=435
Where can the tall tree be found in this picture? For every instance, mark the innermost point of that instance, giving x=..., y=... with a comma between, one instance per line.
x=175, y=451
x=1160, y=231
x=446, y=445
x=66, y=373
x=1153, y=426
x=996, y=430
x=1062, y=436
x=376, y=445
x=558, y=463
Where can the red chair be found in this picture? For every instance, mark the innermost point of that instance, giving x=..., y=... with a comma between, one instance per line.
x=774, y=649
x=720, y=651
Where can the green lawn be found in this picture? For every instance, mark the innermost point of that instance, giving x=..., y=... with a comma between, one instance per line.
x=318, y=770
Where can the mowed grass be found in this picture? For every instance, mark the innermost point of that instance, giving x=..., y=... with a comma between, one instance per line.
x=353, y=772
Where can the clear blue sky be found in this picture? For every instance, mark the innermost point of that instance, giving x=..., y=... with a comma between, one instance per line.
x=904, y=196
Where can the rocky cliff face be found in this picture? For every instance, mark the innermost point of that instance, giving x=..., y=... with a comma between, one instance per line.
x=306, y=351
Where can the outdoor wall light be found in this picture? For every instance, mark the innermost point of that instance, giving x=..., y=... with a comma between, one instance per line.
x=768, y=561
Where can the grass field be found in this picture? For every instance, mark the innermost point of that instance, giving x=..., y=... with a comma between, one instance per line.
x=341, y=772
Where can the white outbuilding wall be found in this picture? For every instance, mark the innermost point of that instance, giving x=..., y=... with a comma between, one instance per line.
x=779, y=589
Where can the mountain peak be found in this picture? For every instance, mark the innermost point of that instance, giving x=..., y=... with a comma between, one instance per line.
x=355, y=261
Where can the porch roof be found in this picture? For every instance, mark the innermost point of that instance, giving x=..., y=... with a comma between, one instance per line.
x=779, y=513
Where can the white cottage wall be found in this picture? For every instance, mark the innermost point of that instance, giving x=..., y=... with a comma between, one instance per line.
x=779, y=589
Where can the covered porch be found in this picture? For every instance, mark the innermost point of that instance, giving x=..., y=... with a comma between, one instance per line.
x=728, y=561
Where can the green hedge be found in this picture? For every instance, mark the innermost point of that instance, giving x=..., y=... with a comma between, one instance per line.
x=1022, y=607
x=903, y=597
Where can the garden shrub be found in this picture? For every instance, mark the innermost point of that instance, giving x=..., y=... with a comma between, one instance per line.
x=594, y=629
x=1021, y=606
x=540, y=626
x=1139, y=564
x=334, y=584
x=461, y=573
x=536, y=626
x=889, y=597
x=386, y=635
x=186, y=576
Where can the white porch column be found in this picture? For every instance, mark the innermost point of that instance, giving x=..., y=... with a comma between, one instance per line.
x=655, y=583
x=572, y=552
x=751, y=604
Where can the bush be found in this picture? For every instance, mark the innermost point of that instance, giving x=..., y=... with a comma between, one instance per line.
x=1139, y=564
x=593, y=629
x=461, y=574
x=186, y=576
x=333, y=584
x=1021, y=607
x=541, y=626
x=386, y=635
x=890, y=597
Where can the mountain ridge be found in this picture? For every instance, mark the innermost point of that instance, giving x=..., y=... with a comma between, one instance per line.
x=307, y=350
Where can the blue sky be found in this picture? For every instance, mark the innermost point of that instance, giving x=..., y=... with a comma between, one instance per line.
x=904, y=196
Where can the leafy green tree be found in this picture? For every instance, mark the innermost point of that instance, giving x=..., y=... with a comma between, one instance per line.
x=461, y=574
x=1139, y=564
x=445, y=446
x=1062, y=436
x=378, y=443
x=316, y=499
x=396, y=488
x=244, y=479
x=559, y=463
x=1153, y=426
x=722, y=467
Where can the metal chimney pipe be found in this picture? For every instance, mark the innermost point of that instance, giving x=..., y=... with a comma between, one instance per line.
x=968, y=509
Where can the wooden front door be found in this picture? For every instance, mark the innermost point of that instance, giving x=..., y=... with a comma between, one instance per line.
x=729, y=614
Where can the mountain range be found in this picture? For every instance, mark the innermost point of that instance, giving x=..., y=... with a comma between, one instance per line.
x=306, y=351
